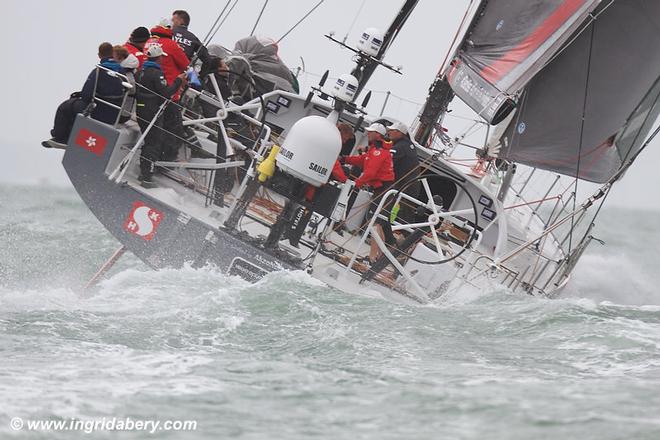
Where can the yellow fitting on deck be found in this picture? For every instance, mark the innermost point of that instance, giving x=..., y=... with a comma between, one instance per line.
x=266, y=169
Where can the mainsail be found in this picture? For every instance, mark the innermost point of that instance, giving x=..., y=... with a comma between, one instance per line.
x=594, y=103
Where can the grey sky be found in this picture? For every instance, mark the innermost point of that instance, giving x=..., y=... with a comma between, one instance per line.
x=50, y=47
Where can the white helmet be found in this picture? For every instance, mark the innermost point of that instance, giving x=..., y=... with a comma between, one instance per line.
x=378, y=128
x=399, y=126
x=370, y=42
x=154, y=50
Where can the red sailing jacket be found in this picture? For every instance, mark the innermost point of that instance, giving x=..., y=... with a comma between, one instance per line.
x=176, y=62
x=141, y=56
x=338, y=173
x=376, y=164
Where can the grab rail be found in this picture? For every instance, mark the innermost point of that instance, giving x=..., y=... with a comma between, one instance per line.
x=125, y=82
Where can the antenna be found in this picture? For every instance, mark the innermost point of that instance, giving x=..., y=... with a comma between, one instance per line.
x=318, y=89
x=364, y=57
x=366, y=99
x=324, y=78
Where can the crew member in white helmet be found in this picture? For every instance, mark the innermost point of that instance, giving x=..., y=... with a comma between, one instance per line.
x=377, y=174
x=406, y=167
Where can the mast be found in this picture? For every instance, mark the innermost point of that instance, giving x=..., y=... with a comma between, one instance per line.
x=440, y=95
x=440, y=92
x=367, y=65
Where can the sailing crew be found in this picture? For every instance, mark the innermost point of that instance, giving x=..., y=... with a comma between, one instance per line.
x=186, y=39
x=136, y=42
x=377, y=165
x=104, y=86
x=406, y=164
x=108, y=88
x=129, y=66
x=377, y=174
x=153, y=87
x=347, y=138
x=173, y=65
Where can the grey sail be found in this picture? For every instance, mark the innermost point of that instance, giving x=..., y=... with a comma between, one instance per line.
x=508, y=42
x=609, y=75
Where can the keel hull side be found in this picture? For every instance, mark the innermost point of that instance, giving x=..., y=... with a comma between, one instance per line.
x=158, y=234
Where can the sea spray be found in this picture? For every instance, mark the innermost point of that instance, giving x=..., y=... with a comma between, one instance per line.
x=289, y=357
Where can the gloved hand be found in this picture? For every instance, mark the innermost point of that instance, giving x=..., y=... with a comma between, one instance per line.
x=192, y=77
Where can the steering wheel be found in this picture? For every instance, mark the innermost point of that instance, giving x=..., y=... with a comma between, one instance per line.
x=440, y=224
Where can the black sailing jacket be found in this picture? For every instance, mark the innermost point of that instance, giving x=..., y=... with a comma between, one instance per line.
x=189, y=43
x=404, y=157
x=152, y=89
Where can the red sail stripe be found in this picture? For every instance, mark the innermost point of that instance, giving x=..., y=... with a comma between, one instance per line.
x=515, y=56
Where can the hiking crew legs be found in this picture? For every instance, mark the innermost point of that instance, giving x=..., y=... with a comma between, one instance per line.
x=153, y=143
x=65, y=117
x=173, y=124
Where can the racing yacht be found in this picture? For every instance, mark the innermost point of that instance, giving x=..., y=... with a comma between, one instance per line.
x=537, y=75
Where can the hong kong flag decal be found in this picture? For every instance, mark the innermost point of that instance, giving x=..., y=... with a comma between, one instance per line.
x=91, y=141
x=143, y=221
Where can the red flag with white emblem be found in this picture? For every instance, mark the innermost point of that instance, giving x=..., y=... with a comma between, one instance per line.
x=91, y=141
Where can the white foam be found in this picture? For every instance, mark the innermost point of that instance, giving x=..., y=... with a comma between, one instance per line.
x=615, y=278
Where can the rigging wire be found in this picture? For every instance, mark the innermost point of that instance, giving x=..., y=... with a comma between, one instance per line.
x=450, y=50
x=397, y=97
x=223, y=20
x=628, y=162
x=263, y=8
x=357, y=14
x=215, y=23
x=458, y=31
x=580, y=145
x=584, y=27
x=299, y=21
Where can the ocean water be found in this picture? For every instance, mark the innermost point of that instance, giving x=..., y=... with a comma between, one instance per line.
x=291, y=358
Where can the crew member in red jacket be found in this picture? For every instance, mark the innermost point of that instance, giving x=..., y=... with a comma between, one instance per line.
x=136, y=42
x=174, y=63
x=378, y=173
x=376, y=163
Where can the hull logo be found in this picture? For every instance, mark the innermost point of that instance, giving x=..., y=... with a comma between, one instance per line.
x=143, y=221
x=91, y=141
x=246, y=270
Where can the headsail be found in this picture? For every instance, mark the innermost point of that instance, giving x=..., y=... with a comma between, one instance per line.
x=507, y=44
x=610, y=75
